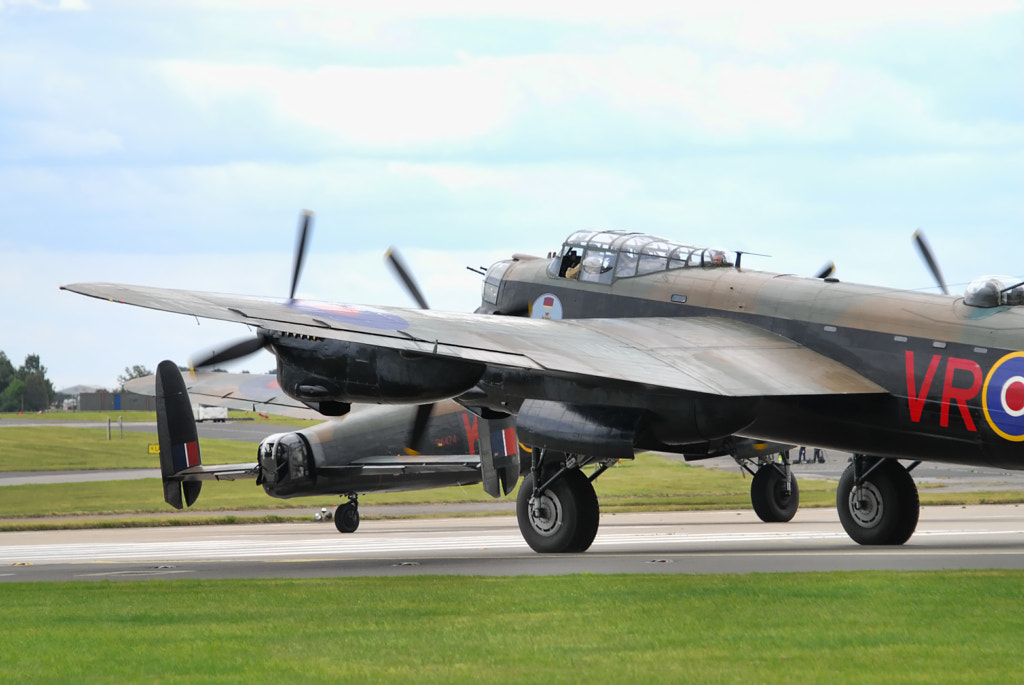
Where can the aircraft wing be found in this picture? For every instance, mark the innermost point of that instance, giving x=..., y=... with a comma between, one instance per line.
x=693, y=354
x=241, y=391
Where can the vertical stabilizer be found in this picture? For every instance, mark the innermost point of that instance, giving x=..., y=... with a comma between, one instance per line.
x=176, y=430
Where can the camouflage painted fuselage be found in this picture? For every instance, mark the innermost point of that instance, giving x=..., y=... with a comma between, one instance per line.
x=952, y=373
x=366, y=452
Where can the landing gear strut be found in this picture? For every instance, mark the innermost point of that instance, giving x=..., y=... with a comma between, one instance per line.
x=877, y=501
x=560, y=512
x=773, y=492
x=346, y=516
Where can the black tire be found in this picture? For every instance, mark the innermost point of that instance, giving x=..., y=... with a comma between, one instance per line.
x=346, y=518
x=571, y=515
x=772, y=503
x=888, y=509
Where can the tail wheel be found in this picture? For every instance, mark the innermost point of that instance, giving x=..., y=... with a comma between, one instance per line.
x=773, y=501
x=884, y=509
x=563, y=518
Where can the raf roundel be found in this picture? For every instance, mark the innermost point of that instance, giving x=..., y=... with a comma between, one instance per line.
x=1002, y=397
x=367, y=317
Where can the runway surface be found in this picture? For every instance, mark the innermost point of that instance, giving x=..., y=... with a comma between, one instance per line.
x=681, y=542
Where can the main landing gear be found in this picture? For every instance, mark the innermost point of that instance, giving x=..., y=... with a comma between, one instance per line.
x=877, y=501
x=346, y=516
x=773, y=492
x=557, y=507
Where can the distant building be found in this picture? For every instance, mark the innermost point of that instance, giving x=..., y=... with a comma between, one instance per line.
x=102, y=400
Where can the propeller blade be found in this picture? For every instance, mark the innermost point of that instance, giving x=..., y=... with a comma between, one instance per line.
x=398, y=266
x=419, y=428
x=933, y=266
x=300, y=249
x=826, y=271
x=236, y=350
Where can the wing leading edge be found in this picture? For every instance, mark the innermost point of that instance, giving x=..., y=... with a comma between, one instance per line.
x=694, y=354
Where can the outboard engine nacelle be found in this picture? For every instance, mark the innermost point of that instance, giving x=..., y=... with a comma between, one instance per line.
x=319, y=371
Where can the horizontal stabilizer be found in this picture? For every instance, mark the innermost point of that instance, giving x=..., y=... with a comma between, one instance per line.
x=176, y=431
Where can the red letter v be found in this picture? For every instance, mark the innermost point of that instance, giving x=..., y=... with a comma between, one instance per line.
x=914, y=398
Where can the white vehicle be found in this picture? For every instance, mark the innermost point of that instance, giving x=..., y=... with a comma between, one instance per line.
x=203, y=413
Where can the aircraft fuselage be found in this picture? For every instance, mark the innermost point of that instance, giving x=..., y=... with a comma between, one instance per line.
x=953, y=374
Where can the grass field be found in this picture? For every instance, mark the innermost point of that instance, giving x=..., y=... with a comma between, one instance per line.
x=146, y=416
x=869, y=627
x=58, y=448
x=651, y=482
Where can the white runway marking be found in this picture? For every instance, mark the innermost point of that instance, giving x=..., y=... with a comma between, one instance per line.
x=339, y=547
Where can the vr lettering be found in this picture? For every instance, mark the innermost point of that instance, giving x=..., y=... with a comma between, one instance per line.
x=954, y=388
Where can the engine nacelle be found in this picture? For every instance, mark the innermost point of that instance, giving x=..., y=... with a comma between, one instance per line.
x=325, y=371
x=596, y=431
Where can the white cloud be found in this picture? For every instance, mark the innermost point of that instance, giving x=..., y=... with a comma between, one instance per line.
x=366, y=108
x=51, y=6
x=173, y=143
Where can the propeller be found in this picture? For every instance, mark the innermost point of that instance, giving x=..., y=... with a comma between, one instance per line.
x=397, y=265
x=933, y=266
x=246, y=346
x=826, y=270
x=423, y=411
x=301, y=240
x=236, y=350
x=419, y=429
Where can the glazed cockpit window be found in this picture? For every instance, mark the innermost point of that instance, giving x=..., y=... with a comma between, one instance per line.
x=604, y=256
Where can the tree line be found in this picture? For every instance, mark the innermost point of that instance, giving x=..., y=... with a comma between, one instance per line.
x=26, y=388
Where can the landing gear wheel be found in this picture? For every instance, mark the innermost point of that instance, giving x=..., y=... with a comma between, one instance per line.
x=884, y=509
x=772, y=503
x=346, y=517
x=563, y=519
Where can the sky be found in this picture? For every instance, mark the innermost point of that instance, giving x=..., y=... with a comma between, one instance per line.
x=175, y=144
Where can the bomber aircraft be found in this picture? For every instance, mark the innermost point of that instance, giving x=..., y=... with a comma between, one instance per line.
x=370, y=450
x=618, y=342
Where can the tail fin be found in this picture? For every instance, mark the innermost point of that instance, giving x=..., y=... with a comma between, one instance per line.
x=176, y=430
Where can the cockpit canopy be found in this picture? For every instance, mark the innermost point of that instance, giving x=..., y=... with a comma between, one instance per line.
x=603, y=256
x=994, y=291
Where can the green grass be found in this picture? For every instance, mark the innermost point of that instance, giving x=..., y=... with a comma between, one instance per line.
x=905, y=627
x=147, y=417
x=650, y=482
x=58, y=448
x=127, y=416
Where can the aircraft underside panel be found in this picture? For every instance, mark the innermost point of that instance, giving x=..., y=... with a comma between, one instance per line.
x=847, y=425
